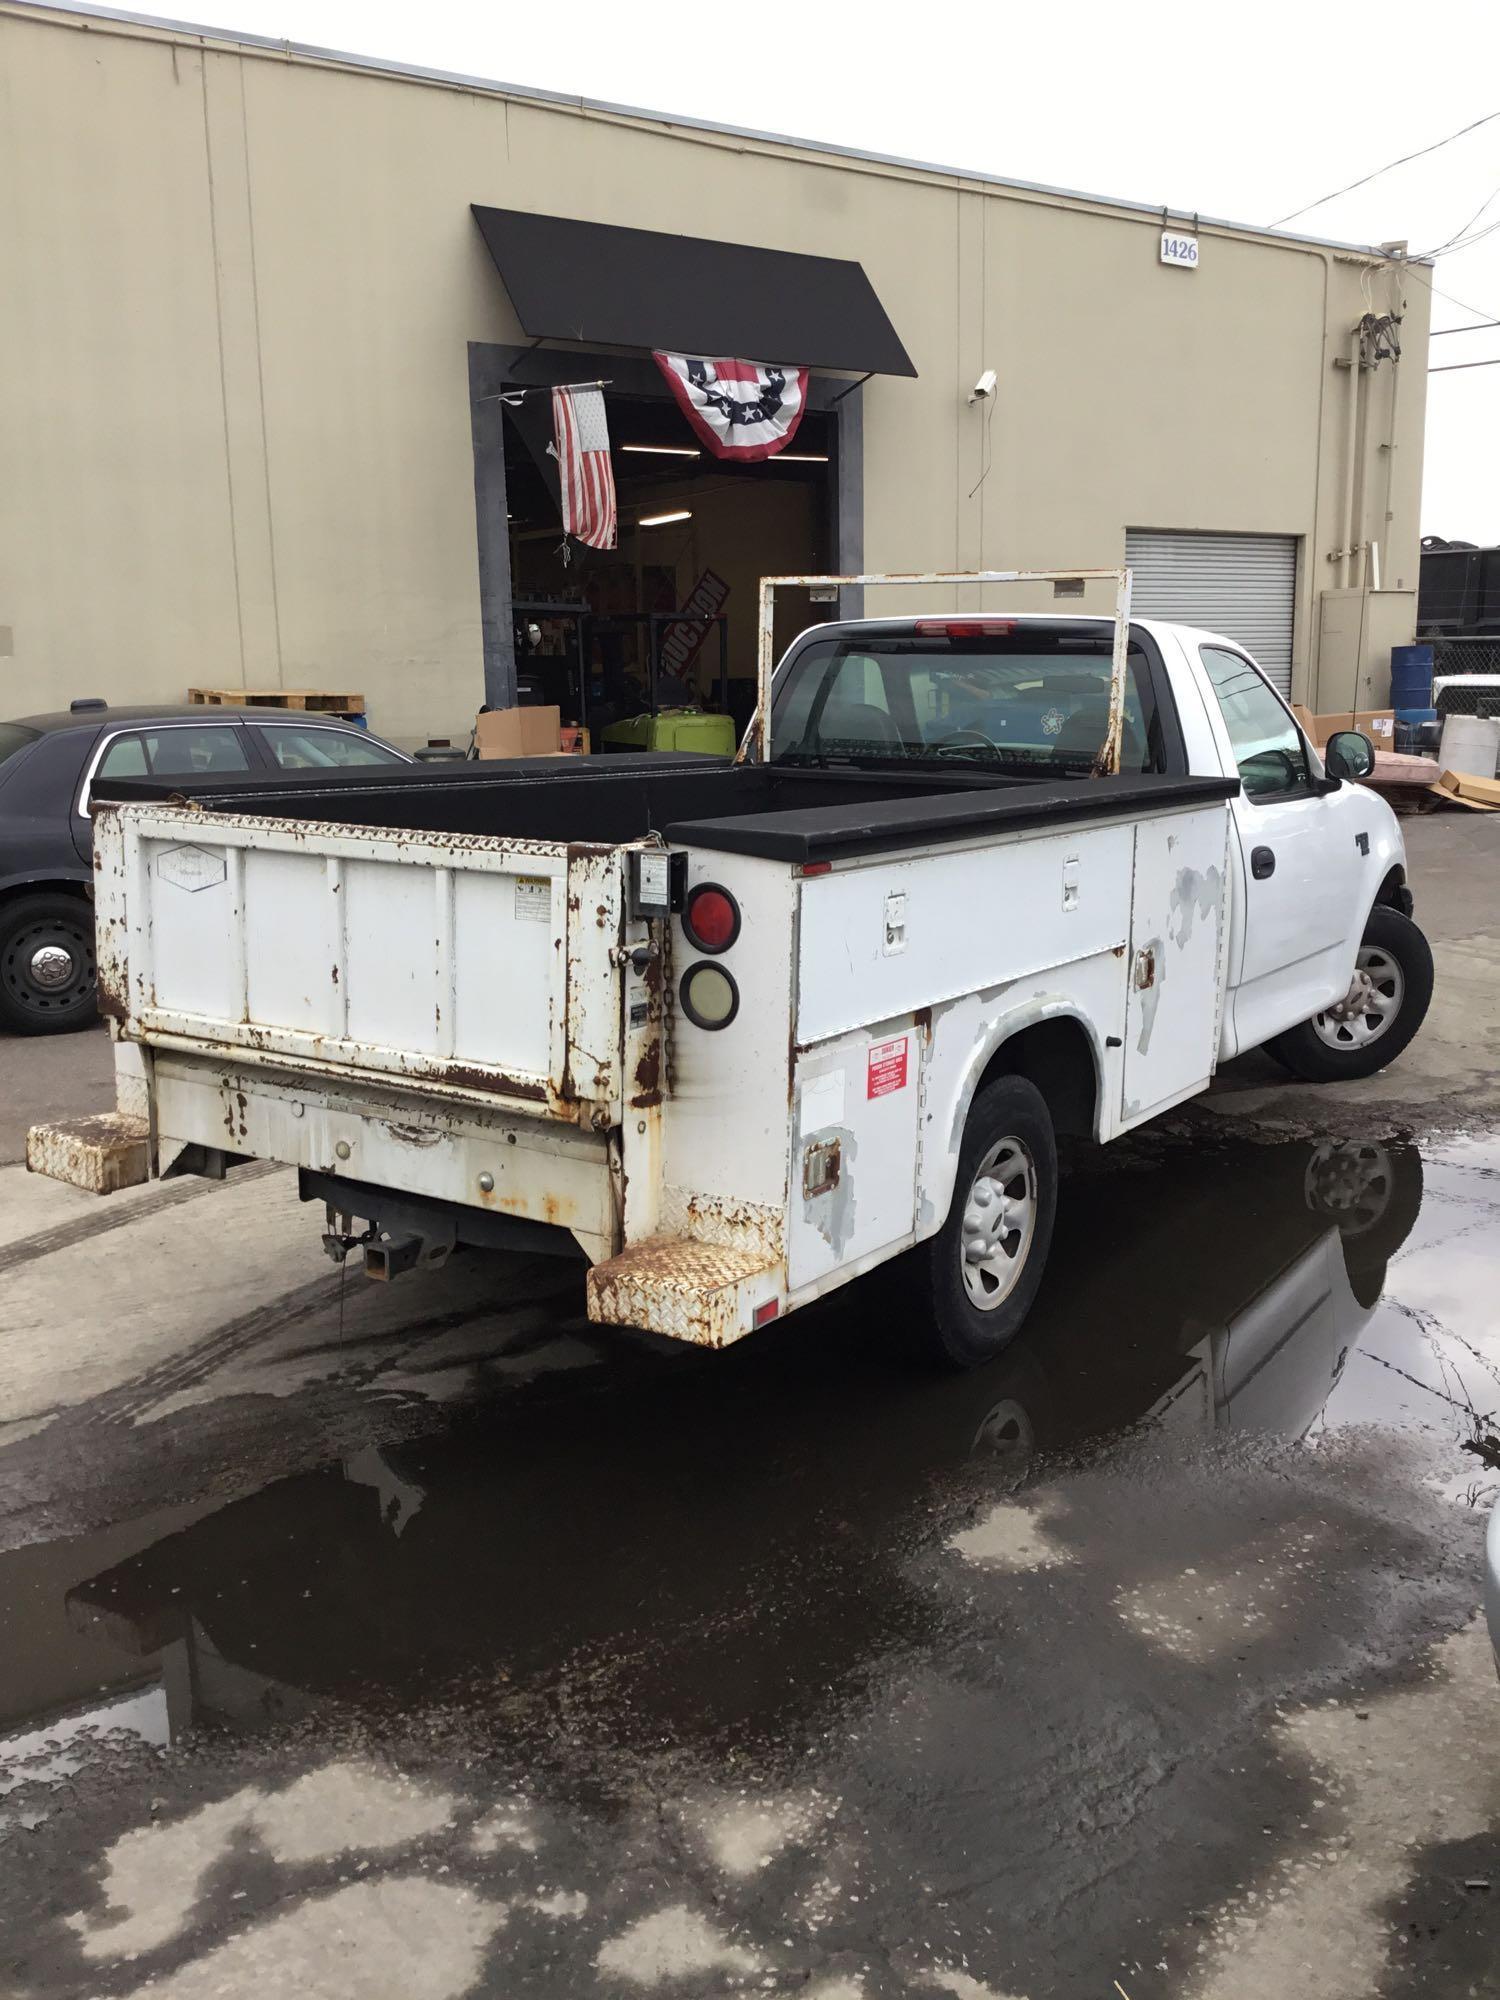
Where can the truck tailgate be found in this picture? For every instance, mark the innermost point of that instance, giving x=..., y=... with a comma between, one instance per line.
x=464, y=964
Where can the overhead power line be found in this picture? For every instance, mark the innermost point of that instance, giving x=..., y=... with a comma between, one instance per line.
x=1438, y=332
x=1486, y=314
x=1459, y=233
x=1452, y=367
x=1479, y=312
x=1390, y=165
x=1459, y=243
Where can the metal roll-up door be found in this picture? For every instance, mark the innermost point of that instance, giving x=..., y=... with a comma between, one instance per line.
x=1241, y=585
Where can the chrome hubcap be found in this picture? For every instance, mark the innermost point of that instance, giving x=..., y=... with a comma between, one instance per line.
x=999, y=1223
x=51, y=966
x=1369, y=1007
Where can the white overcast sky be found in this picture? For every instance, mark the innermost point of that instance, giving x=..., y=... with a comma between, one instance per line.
x=1239, y=112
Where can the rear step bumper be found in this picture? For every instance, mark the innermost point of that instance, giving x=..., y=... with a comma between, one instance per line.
x=101, y=1154
x=703, y=1292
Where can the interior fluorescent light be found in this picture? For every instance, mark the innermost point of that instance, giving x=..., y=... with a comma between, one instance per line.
x=797, y=457
x=661, y=520
x=666, y=450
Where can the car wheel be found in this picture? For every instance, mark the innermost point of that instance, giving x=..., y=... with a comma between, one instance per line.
x=47, y=965
x=984, y=1265
x=1386, y=1003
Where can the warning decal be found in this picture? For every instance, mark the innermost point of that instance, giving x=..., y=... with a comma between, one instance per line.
x=887, y=1068
x=534, y=898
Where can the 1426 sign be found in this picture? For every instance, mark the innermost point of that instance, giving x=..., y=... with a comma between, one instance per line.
x=1177, y=249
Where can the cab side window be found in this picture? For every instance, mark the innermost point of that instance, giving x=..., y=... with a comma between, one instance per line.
x=1267, y=744
x=298, y=747
x=180, y=752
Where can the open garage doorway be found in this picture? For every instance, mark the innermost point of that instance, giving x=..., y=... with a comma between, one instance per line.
x=668, y=618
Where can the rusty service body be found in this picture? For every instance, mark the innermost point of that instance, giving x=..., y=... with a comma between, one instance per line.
x=738, y=1035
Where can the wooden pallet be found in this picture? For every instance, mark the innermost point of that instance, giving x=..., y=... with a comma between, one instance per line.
x=316, y=700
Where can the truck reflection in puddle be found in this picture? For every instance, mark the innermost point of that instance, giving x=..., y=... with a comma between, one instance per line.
x=722, y=1536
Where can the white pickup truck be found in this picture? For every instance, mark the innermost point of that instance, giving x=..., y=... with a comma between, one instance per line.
x=741, y=1034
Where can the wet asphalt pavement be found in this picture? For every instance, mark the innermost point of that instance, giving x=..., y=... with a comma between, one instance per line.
x=405, y=1642
x=400, y=1642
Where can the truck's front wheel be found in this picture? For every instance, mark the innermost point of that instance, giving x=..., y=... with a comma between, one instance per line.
x=986, y=1262
x=1383, y=1009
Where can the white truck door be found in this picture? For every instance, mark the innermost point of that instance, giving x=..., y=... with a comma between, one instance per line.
x=1178, y=907
x=1298, y=864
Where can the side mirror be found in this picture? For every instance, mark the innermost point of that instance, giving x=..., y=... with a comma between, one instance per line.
x=1348, y=754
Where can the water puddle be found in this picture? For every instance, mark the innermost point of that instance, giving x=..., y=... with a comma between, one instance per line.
x=728, y=1532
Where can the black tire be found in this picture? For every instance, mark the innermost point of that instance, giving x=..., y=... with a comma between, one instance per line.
x=40, y=924
x=1309, y=1052
x=960, y=1333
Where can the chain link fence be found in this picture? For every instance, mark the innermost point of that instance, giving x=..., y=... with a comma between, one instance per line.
x=1467, y=656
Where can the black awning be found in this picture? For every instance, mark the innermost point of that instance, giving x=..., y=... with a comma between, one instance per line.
x=611, y=287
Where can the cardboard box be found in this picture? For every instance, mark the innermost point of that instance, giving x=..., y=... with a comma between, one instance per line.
x=527, y=732
x=518, y=732
x=1379, y=724
x=1460, y=789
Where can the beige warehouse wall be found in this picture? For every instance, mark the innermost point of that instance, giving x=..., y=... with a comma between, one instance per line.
x=116, y=555
x=233, y=368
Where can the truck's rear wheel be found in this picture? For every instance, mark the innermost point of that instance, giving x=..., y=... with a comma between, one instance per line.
x=1386, y=1004
x=985, y=1263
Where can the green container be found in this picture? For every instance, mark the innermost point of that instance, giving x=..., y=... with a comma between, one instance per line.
x=673, y=729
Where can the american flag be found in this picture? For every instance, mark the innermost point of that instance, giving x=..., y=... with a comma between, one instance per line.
x=581, y=442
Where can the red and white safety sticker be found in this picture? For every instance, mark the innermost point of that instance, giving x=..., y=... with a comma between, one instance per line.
x=886, y=1069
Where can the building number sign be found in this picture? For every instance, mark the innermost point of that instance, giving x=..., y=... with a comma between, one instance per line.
x=1177, y=249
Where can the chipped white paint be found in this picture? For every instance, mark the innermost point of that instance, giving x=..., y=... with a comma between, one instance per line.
x=1417, y=1771
x=406, y=1936
x=1015, y=1535
x=153, y=1875
x=380, y=951
x=674, y=1943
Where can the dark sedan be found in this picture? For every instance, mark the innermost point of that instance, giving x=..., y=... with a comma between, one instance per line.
x=48, y=767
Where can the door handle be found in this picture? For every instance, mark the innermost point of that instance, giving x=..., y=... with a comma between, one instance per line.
x=1262, y=863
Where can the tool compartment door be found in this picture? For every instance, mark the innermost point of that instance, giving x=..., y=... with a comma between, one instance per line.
x=1176, y=958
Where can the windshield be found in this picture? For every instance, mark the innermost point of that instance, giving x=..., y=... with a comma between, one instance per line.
x=1031, y=703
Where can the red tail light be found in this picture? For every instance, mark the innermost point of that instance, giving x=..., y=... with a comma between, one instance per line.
x=711, y=917
x=965, y=628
